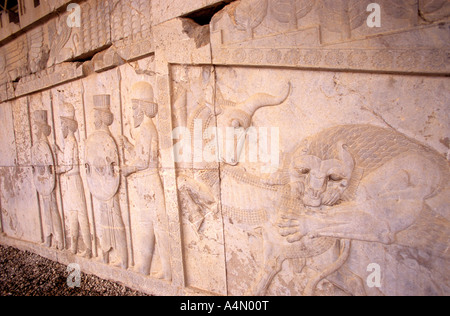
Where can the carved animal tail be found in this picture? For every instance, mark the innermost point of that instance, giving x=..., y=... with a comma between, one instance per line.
x=345, y=252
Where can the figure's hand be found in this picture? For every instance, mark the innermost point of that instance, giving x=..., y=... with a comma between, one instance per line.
x=56, y=149
x=292, y=227
x=123, y=142
x=127, y=170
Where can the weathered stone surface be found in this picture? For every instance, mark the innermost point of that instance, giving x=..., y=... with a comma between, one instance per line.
x=242, y=147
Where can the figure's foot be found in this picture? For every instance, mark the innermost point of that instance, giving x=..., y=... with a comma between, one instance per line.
x=141, y=270
x=59, y=245
x=87, y=254
x=121, y=265
x=168, y=277
x=105, y=257
x=48, y=242
x=144, y=271
x=161, y=275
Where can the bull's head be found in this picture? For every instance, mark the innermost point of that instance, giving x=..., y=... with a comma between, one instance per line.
x=238, y=118
x=322, y=182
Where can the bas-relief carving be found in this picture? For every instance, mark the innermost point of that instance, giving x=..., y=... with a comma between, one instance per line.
x=81, y=155
x=59, y=35
x=308, y=248
x=43, y=57
x=151, y=225
x=13, y=60
x=198, y=181
x=53, y=43
x=291, y=205
x=339, y=18
x=74, y=198
x=44, y=176
x=390, y=151
x=130, y=19
x=38, y=50
x=103, y=177
x=330, y=34
x=339, y=197
x=69, y=115
x=122, y=172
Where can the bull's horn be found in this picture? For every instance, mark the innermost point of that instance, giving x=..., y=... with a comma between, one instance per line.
x=260, y=100
x=346, y=158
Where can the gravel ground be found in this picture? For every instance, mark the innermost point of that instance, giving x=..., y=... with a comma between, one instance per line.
x=26, y=274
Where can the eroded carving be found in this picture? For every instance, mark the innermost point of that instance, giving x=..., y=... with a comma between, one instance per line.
x=38, y=51
x=44, y=176
x=310, y=27
x=249, y=14
x=343, y=16
x=61, y=35
x=290, y=11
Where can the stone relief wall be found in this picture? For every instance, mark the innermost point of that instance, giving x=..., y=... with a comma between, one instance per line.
x=285, y=148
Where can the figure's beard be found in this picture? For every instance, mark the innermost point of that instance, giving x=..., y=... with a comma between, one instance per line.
x=98, y=124
x=65, y=132
x=138, y=119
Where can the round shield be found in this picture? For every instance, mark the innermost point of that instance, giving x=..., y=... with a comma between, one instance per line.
x=44, y=176
x=102, y=160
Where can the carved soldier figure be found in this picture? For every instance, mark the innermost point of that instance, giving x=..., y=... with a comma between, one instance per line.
x=103, y=178
x=44, y=178
x=152, y=223
x=73, y=193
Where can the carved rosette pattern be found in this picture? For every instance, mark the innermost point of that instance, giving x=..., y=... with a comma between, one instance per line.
x=273, y=56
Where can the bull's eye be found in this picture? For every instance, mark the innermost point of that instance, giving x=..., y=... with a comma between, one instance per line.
x=304, y=170
x=236, y=124
x=344, y=183
x=335, y=177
